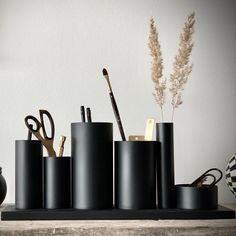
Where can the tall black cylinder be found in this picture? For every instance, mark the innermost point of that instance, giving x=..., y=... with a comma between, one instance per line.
x=165, y=165
x=92, y=165
x=135, y=174
x=28, y=174
x=57, y=184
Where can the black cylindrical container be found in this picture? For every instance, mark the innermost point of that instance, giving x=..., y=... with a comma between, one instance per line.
x=165, y=165
x=92, y=165
x=28, y=174
x=135, y=174
x=188, y=197
x=57, y=184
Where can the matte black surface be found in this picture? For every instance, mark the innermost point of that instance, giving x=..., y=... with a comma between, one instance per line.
x=92, y=165
x=165, y=165
x=205, y=197
x=135, y=174
x=3, y=187
x=57, y=184
x=28, y=174
x=10, y=213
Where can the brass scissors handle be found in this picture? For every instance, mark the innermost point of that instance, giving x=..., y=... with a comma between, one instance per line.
x=47, y=141
x=46, y=113
x=207, y=173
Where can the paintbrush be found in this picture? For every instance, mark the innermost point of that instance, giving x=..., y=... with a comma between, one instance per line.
x=114, y=106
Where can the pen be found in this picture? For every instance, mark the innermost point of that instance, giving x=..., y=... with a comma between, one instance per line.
x=82, y=113
x=88, y=112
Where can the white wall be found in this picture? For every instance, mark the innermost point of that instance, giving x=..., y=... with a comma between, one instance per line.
x=52, y=54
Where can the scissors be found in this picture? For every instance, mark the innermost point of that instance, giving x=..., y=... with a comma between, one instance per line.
x=46, y=140
x=206, y=174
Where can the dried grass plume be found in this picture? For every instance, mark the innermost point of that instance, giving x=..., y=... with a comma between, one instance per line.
x=181, y=66
x=157, y=66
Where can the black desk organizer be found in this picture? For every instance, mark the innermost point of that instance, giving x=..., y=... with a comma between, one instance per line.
x=10, y=213
x=92, y=177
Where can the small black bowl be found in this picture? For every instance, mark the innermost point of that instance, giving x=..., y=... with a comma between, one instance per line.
x=189, y=197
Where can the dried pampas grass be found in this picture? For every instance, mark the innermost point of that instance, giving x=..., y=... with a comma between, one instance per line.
x=157, y=66
x=181, y=66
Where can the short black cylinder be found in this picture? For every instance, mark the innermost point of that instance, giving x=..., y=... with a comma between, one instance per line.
x=135, y=174
x=57, y=183
x=188, y=197
x=165, y=166
x=28, y=174
x=92, y=165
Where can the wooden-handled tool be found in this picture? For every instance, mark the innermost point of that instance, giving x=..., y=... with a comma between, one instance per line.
x=47, y=141
x=149, y=129
x=61, y=146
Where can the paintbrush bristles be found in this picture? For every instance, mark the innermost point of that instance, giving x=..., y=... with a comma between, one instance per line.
x=106, y=76
x=104, y=71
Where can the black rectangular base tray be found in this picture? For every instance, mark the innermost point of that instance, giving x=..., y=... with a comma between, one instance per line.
x=10, y=213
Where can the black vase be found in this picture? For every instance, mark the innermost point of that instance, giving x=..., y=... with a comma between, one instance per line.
x=165, y=166
x=3, y=187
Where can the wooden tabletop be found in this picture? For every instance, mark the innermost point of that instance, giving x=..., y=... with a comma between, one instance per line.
x=121, y=227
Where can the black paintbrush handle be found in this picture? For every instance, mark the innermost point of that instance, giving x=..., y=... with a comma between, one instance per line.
x=117, y=115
